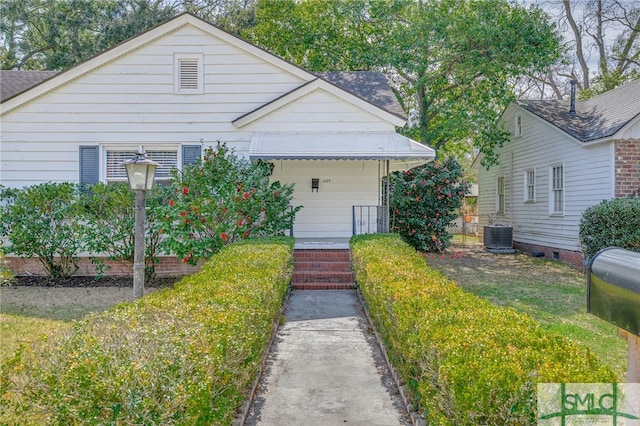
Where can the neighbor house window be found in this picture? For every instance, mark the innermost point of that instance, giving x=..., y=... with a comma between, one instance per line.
x=189, y=78
x=518, y=125
x=500, y=195
x=556, y=201
x=529, y=186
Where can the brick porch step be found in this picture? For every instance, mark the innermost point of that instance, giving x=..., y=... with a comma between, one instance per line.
x=323, y=286
x=322, y=270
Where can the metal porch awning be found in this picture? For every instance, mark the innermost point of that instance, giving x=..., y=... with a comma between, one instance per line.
x=337, y=146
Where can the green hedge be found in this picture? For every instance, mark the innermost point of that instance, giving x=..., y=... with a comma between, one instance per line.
x=184, y=355
x=611, y=223
x=464, y=360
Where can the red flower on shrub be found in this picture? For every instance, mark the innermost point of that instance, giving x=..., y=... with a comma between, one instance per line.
x=224, y=210
x=186, y=221
x=185, y=190
x=223, y=236
x=186, y=259
x=171, y=203
x=245, y=234
x=239, y=223
x=183, y=213
x=276, y=193
x=246, y=195
x=203, y=220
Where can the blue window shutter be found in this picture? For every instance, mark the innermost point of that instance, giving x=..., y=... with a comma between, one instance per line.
x=89, y=164
x=191, y=154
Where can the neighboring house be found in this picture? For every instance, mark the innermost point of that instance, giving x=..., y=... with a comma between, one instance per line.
x=187, y=84
x=558, y=162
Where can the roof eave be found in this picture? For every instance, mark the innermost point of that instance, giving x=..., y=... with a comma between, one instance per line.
x=308, y=87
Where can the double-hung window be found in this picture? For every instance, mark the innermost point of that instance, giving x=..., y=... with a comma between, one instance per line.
x=556, y=197
x=529, y=186
x=517, y=124
x=115, y=170
x=106, y=163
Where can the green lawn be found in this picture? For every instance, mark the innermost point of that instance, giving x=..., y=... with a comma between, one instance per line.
x=28, y=312
x=551, y=292
x=16, y=330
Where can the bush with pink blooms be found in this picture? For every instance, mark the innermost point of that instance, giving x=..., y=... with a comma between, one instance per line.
x=222, y=199
x=424, y=201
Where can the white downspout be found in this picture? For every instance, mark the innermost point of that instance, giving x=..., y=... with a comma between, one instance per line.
x=511, y=190
x=386, y=209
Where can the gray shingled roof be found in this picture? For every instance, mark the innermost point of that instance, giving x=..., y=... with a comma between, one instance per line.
x=372, y=86
x=368, y=85
x=14, y=82
x=595, y=118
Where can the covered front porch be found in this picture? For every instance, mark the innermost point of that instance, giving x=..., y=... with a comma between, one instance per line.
x=338, y=180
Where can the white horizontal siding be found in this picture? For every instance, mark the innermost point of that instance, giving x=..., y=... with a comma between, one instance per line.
x=131, y=100
x=633, y=132
x=328, y=212
x=320, y=111
x=588, y=172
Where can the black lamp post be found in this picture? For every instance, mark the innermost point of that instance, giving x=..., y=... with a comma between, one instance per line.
x=140, y=172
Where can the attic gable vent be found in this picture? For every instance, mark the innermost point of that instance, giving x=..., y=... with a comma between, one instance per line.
x=188, y=74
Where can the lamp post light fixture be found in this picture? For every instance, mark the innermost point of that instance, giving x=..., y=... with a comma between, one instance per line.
x=140, y=172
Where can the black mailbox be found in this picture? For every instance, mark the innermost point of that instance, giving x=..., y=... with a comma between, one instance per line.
x=613, y=288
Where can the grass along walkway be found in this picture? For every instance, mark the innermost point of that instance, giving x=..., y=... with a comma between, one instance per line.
x=28, y=312
x=553, y=293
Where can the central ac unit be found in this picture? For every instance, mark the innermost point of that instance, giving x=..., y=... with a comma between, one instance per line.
x=498, y=237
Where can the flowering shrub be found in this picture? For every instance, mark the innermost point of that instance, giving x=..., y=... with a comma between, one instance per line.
x=179, y=356
x=465, y=361
x=424, y=200
x=39, y=221
x=220, y=200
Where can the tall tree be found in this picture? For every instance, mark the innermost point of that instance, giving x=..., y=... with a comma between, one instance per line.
x=601, y=48
x=54, y=35
x=451, y=62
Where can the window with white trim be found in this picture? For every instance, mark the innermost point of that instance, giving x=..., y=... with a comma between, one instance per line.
x=529, y=186
x=556, y=197
x=518, y=125
x=500, y=195
x=189, y=73
x=115, y=164
x=106, y=164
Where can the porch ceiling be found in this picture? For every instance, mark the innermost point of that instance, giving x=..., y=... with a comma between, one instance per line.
x=337, y=146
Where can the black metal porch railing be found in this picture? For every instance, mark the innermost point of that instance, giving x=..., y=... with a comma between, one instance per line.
x=369, y=219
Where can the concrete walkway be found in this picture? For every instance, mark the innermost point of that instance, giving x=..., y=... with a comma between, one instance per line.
x=326, y=368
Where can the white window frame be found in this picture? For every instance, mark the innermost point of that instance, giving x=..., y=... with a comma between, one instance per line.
x=500, y=195
x=530, y=186
x=180, y=60
x=518, y=124
x=556, y=189
x=163, y=173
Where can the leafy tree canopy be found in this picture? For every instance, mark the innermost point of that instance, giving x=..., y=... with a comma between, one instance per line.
x=601, y=48
x=54, y=35
x=452, y=63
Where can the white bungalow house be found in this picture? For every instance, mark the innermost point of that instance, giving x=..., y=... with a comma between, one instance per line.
x=562, y=157
x=186, y=84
